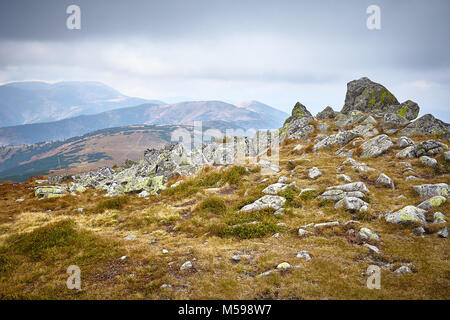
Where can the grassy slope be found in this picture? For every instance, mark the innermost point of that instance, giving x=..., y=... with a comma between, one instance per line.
x=194, y=221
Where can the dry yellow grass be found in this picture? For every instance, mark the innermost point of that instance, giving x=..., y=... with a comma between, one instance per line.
x=189, y=227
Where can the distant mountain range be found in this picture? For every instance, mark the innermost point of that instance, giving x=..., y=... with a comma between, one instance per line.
x=91, y=151
x=34, y=101
x=25, y=104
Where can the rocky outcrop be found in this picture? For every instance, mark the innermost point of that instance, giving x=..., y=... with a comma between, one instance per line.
x=327, y=113
x=298, y=125
x=371, y=97
x=392, y=122
x=427, y=125
x=367, y=96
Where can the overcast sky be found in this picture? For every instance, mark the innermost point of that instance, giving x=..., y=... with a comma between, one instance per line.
x=277, y=52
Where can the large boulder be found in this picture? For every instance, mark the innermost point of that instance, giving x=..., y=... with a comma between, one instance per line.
x=297, y=126
x=376, y=146
x=427, y=125
x=327, y=113
x=424, y=148
x=367, y=96
x=408, y=109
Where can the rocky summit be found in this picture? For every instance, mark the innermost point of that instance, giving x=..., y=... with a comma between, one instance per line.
x=308, y=211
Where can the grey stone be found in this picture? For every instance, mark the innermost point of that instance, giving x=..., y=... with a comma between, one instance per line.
x=268, y=201
x=304, y=255
x=376, y=146
x=327, y=113
x=428, y=162
x=407, y=215
x=366, y=234
x=314, y=173
x=431, y=190
x=427, y=125
x=433, y=202
x=384, y=180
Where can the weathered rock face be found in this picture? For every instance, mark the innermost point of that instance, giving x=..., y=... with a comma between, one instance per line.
x=428, y=162
x=314, y=173
x=367, y=96
x=424, y=148
x=366, y=234
x=376, y=146
x=349, y=120
x=352, y=204
x=48, y=192
x=276, y=188
x=297, y=126
x=274, y=202
x=338, y=139
x=327, y=113
x=404, y=142
x=407, y=215
x=427, y=125
x=384, y=180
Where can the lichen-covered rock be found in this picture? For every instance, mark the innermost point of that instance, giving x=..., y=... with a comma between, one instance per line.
x=366, y=130
x=443, y=233
x=322, y=127
x=367, y=96
x=351, y=204
x=384, y=180
x=431, y=190
x=404, y=142
x=403, y=270
x=366, y=234
x=48, y=192
x=375, y=146
x=327, y=113
x=274, y=202
x=297, y=126
x=338, y=139
x=407, y=215
x=428, y=162
x=355, y=165
x=408, y=109
x=427, y=125
x=314, y=173
x=344, y=178
x=433, y=202
x=349, y=120
x=439, y=217
x=304, y=255
x=391, y=122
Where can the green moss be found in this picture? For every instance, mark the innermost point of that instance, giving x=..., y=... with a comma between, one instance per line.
x=213, y=204
x=113, y=203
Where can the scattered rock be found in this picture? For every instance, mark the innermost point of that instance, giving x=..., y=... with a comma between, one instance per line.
x=404, y=142
x=304, y=255
x=443, y=233
x=275, y=188
x=338, y=139
x=433, y=202
x=326, y=225
x=283, y=179
x=186, y=265
x=351, y=204
x=431, y=190
x=403, y=270
x=20, y=200
x=428, y=162
x=302, y=232
x=236, y=258
x=143, y=194
x=407, y=215
x=344, y=178
x=274, y=202
x=130, y=237
x=371, y=247
x=366, y=234
x=284, y=266
x=419, y=231
x=385, y=181
x=446, y=156
x=391, y=122
x=49, y=192
x=314, y=173
x=164, y=251
x=376, y=146
x=439, y=217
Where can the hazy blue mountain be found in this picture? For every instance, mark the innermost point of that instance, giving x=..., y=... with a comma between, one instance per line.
x=261, y=108
x=91, y=151
x=33, y=101
x=172, y=114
